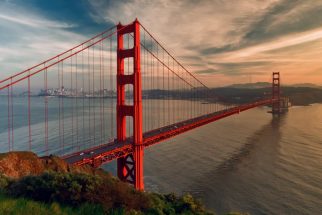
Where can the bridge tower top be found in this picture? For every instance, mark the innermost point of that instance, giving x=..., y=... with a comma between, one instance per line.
x=276, y=93
x=130, y=167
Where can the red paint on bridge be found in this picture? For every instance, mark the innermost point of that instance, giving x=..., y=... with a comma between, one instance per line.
x=105, y=153
x=168, y=83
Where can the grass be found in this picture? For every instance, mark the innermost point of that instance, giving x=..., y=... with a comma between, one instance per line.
x=77, y=193
x=56, y=193
x=17, y=206
x=56, y=190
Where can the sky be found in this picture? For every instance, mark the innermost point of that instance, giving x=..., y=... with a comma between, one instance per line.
x=222, y=42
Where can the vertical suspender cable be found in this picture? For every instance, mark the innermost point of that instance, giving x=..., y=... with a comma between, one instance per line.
x=63, y=92
x=112, y=89
x=169, y=122
x=104, y=94
x=145, y=114
x=29, y=112
x=83, y=98
x=89, y=96
x=100, y=93
x=163, y=91
x=12, y=126
x=46, y=112
x=94, y=97
x=76, y=94
x=9, y=120
x=72, y=97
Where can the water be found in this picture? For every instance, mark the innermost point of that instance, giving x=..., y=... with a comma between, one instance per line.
x=71, y=127
x=249, y=162
x=75, y=124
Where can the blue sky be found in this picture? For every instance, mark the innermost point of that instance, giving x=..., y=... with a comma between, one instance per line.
x=221, y=41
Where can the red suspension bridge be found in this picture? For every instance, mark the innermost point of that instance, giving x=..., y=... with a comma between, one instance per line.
x=109, y=98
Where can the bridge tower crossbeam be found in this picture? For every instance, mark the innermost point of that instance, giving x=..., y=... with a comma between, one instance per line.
x=130, y=167
x=276, y=93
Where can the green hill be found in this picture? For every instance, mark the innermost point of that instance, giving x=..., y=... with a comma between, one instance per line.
x=298, y=95
x=48, y=185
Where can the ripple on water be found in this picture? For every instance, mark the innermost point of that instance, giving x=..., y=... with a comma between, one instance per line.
x=250, y=163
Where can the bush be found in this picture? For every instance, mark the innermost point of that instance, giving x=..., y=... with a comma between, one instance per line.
x=71, y=189
x=77, y=189
x=171, y=204
x=4, y=182
x=21, y=206
x=113, y=196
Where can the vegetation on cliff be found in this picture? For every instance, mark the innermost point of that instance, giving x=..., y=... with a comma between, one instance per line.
x=31, y=185
x=21, y=206
x=104, y=194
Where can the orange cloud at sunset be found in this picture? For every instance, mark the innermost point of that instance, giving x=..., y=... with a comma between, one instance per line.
x=223, y=42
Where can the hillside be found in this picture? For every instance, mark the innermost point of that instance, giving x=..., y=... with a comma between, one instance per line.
x=257, y=85
x=298, y=95
x=16, y=165
x=243, y=93
x=250, y=85
x=48, y=185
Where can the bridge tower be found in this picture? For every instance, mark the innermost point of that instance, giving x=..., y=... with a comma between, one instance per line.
x=130, y=167
x=276, y=93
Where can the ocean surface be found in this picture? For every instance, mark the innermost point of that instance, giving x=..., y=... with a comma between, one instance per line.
x=251, y=162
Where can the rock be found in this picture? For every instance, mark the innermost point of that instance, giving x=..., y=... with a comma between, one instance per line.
x=22, y=163
x=19, y=164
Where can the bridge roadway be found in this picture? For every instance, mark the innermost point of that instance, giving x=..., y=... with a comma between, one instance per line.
x=107, y=152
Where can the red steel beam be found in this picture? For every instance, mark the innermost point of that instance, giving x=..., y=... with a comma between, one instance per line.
x=107, y=152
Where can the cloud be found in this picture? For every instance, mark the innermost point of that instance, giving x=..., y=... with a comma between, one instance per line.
x=236, y=69
x=29, y=38
x=37, y=23
x=286, y=17
x=207, y=71
x=216, y=50
x=287, y=41
x=213, y=37
x=218, y=40
x=185, y=27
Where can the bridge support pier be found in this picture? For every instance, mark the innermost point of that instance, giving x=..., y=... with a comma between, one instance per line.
x=130, y=167
x=276, y=93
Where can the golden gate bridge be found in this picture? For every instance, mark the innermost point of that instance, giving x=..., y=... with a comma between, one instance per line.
x=109, y=98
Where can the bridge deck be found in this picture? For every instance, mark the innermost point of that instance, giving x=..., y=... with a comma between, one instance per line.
x=107, y=152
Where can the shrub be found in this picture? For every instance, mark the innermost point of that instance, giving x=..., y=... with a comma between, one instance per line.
x=76, y=189
x=23, y=206
x=110, y=194
x=4, y=182
x=72, y=189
